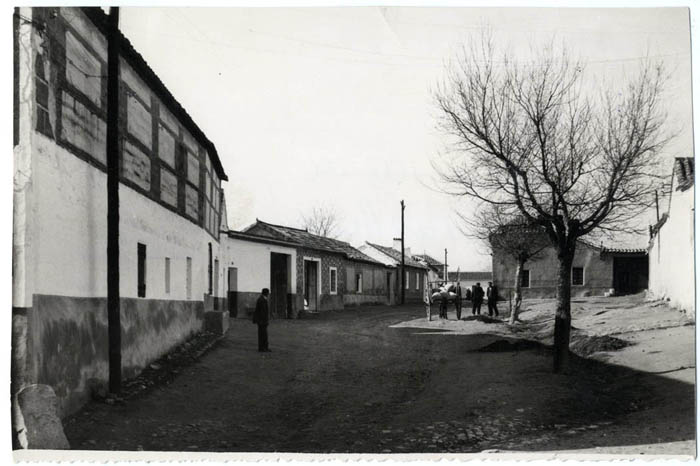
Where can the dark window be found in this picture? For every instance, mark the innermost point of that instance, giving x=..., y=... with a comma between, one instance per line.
x=577, y=276
x=525, y=281
x=141, y=291
x=210, y=270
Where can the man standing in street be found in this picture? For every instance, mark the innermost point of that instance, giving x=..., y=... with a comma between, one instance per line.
x=458, y=301
x=491, y=298
x=261, y=317
x=477, y=298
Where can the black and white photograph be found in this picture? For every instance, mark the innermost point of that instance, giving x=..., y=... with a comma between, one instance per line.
x=352, y=231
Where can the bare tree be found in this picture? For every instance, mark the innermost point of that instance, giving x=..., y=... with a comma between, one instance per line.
x=533, y=136
x=322, y=221
x=510, y=233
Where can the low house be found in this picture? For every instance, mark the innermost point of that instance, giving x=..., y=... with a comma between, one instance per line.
x=415, y=273
x=436, y=269
x=671, y=244
x=330, y=273
x=596, y=271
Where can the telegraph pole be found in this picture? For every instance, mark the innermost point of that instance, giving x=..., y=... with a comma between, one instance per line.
x=445, y=267
x=113, y=308
x=403, y=258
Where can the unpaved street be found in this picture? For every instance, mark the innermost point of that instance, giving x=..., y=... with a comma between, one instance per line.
x=348, y=382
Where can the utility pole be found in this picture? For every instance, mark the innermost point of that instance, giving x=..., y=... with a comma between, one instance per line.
x=403, y=258
x=445, y=267
x=113, y=307
x=656, y=198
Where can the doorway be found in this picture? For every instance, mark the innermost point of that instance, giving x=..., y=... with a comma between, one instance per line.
x=232, y=292
x=311, y=285
x=278, y=285
x=630, y=274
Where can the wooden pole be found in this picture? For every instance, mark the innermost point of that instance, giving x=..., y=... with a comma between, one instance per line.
x=446, y=278
x=113, y=308
x=656, y=198
x=403, y=258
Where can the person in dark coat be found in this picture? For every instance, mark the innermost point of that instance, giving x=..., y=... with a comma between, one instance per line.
x=261, y=317
x=492, y=298
x=477, y=298
x=458, y=301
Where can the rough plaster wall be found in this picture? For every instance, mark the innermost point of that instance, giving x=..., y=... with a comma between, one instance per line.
x=671, y=256
x=252, y=260
x=598, y=273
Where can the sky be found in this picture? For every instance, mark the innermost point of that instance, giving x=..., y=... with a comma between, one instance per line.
x=333, y=106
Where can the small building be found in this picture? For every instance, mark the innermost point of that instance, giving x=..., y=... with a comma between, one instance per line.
x=330, y=274
x=671, y=245
x=436, y=269
x=415, y=273
x=596, y=271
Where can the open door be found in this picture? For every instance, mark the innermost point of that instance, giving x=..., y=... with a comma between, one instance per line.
x=278, y=285
x=311, y=285
x=232, y=292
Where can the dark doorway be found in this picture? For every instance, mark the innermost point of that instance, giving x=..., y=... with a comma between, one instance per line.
x=388, y=287
x=630, y=274
x=278, y=285
x=232, y=292
x=311, y=285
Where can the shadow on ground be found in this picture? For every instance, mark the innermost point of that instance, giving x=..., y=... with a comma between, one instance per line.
x=346, y=382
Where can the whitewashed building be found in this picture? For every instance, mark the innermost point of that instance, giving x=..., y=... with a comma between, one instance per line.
x=171, y=205
x=671, y=245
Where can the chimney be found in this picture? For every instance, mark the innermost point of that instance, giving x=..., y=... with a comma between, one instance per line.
x=397, y=244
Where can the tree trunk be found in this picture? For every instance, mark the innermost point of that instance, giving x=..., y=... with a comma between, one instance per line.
x=518, y=292
x=562, y=317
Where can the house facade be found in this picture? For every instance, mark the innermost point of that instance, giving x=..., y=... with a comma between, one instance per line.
x=671, y=245
x=435, y=268
x=170, y=208
x=596, y=271
x=330, y=274
x=415, y=273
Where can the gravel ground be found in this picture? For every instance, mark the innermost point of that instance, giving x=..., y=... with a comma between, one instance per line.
x=372, y=380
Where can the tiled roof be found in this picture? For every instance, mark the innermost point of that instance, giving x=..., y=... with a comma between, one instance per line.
x=429, y=260
x=308, y=240
x=684, y=172
x=135, y=59
x=396, y=255
x=452, y=276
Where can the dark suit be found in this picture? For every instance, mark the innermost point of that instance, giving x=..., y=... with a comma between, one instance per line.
x=491, y=299
x=458, y=302
x=477, y=299
x=262, y=318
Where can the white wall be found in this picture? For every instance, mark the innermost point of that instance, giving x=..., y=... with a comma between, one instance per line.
x=671, y=256
x=70, y=234
x=252, y=259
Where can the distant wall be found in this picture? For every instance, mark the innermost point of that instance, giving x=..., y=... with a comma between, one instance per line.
x=671, y=254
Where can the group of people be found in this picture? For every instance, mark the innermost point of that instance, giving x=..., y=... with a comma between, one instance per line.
x=476, y=296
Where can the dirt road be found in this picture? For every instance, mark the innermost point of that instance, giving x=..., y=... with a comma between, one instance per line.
x=349, y=382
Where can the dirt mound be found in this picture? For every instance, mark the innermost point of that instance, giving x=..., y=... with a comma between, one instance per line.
x=587, y=345
x=484, y=319
x=504, y=346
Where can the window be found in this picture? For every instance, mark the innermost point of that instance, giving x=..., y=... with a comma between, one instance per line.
x=334, y=280
x=406, y=277
x=210, y=271
x=189, y=278
x=577, y=276
x=417, y=281
x=167, y=275
x=358, y=282
x=525, y=281
x=141, y=270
